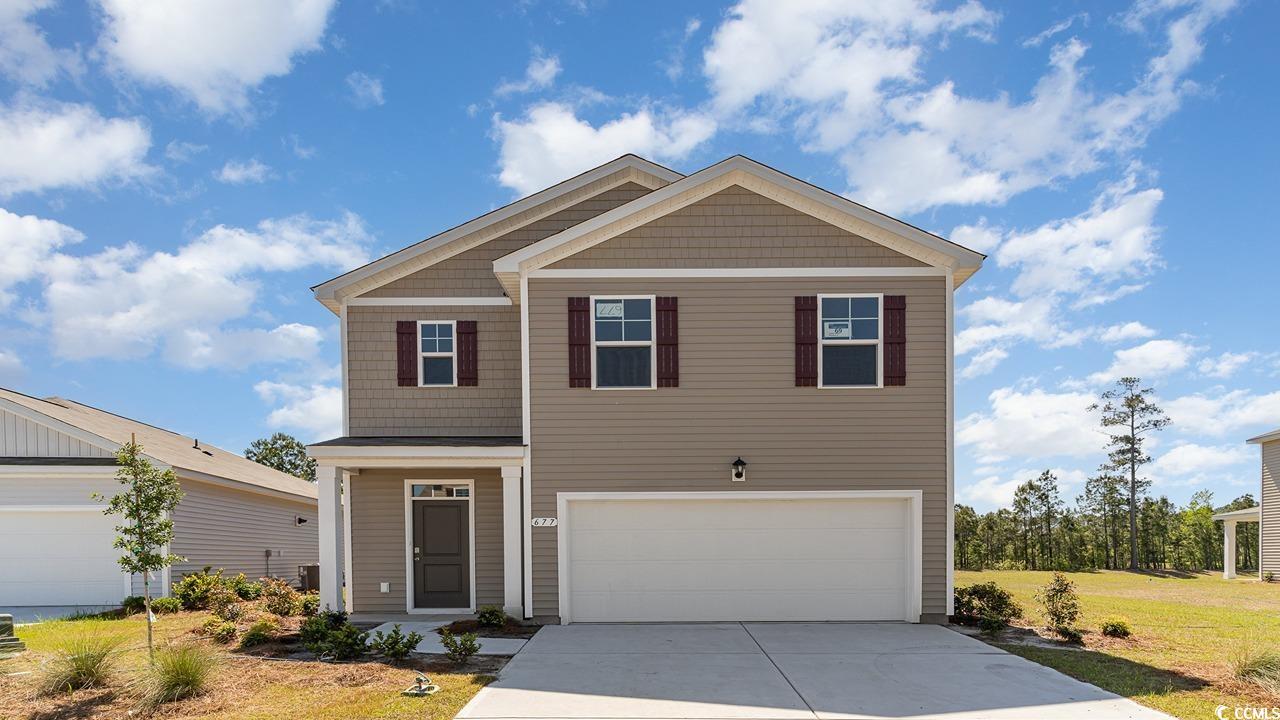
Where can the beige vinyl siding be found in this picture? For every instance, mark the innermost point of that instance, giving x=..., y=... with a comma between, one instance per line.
x=736, y=228
x=378, y=540
x=470, y=273
x=378, y=406
x=231, y=529
x=737, y=396
x=1270, y=531
x=22, y=437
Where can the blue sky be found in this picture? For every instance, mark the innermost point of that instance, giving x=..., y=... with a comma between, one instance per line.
x=173, y=179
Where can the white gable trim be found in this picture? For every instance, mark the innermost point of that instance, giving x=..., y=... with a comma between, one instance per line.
x=628, y=169
x=57, y=425
x=738, y=170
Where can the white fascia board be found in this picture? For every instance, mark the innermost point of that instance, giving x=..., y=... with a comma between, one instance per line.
x=1248, y=514
x=1264, y=438
x=327, y=290
x=320, y=452
x=752, y=272
x=531, y=257
x=500, y=301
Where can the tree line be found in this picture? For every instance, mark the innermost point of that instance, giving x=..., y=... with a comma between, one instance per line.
x=1113, y=523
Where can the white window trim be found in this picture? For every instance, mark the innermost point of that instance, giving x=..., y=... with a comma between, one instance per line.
x=878, y=342
x=453, y=325
x=652, y=342
x=409, y=499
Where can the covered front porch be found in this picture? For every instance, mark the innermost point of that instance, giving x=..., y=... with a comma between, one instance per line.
x=1229, y=522
x=421, y=527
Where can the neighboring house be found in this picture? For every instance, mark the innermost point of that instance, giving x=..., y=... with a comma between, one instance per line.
x=545, y=408
x=1267, y=513
x=56, y=543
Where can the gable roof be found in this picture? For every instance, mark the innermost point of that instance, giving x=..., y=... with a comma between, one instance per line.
x=628, y=168
x=1264, y=438
x=756, y=177
x=110, y=431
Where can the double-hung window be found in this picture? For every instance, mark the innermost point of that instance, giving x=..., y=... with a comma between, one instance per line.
x=622, y=342
x=437, y=366
x=849, y=341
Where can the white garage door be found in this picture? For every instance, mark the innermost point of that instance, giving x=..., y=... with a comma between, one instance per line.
x=768, y=558
x=59, y=558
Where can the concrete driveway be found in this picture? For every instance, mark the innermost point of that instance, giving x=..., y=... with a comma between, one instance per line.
x=782, y=670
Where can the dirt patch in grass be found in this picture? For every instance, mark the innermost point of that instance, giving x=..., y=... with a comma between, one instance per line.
x=511, y=629
x=268, y=684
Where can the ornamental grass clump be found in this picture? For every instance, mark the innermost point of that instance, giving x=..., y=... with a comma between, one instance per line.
x=81, y=661
x=1257, y=665
x=179, y=672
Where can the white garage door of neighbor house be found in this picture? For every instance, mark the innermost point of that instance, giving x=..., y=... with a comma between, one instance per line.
x=641, y=560
x=59, y=557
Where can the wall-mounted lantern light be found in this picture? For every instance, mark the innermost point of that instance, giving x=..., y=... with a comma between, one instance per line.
x=739, y=473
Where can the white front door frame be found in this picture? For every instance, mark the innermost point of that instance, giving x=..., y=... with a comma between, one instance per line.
x=409, y=499
x=915, y=515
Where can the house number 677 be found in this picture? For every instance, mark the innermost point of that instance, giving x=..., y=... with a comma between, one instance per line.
x=543, y=522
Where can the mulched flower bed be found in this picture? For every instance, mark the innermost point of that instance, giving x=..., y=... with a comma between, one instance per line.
x=512, y=629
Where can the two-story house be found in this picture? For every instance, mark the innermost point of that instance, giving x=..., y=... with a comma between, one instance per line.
x=644, y=396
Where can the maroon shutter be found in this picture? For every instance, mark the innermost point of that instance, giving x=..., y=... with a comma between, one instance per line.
x=406, y=353
x=806, y=340
x=895, y=339
x=579, y=342
x=468, y=361
x=668, y=337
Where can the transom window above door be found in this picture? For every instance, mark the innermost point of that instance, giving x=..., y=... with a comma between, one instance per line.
x=440, y=491
x=849, y=332
x=437, y=366
x=622, y=339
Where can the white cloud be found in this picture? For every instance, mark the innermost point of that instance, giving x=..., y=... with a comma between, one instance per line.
x=551, y=143
x=25, y=53
x=315, y=410
x=124, y=302
x=538, y=75
x=1113, y=240
x=981, y=237
x=235, y=172
x=299, y=150
x=365, y=89
x=996, y=321
x=1057, y=28
x=180, y=151
x=1125, y=332
x=1152, y=359
x=212, y=51
x=1031, y=424
x=1195, y=463
x=1226, y=364
x=1226, y=413
x=11, y=368
x=994, y=491
x=673, y=66
x=29, y=242
x=49, y=145
x=983, y=363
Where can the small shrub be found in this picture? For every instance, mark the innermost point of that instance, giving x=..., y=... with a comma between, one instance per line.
x=279, y=597
x=395, y=645
x=1257, y=665
x=1116, y=627
x=1268, y=576
x=80, y=661
x=194, y=588
x=224, y=603
x=178, y=673
x=991, y=626
x=1059, y=602
x=984, y=600
x=310, y=603
x=244, y=588
x=263, y=631
x=133, y=605
x=346, y=642
x=166, y=605
x=459, y=648
x=491, y=616
x=1070, y=634
x=315, y=629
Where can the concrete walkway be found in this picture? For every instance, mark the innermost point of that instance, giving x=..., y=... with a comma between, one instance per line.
x=783, y=671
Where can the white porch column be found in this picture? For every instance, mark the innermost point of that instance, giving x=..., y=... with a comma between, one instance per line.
x=327, y=477
x=512, y=541
x=1228, y=549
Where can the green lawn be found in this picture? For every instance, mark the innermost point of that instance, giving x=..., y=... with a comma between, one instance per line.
x=243, y=687
x=1185, y=630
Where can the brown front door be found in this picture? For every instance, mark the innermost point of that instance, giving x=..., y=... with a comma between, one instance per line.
x=441, y=554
